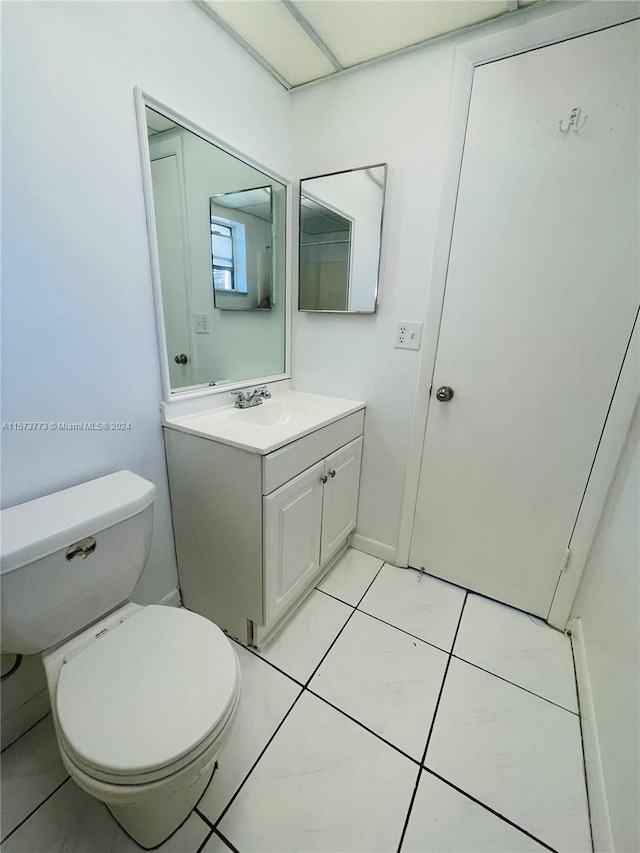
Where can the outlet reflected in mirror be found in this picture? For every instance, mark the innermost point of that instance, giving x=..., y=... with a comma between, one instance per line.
x=220, y=237
x=340, y=236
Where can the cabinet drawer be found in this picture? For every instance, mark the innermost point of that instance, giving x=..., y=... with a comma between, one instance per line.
x=284, y=464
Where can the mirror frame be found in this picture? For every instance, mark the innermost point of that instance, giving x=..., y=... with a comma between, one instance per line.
x=142, y=100
x=374, y=310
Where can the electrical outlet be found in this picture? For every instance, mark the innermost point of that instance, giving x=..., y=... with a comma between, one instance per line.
x=408, y=335
x=201, y=324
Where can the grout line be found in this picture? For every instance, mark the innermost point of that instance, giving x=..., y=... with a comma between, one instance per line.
x=408, y=633
x=519, y=686
x=433, y=722
x=203, y=816
x=333, y=642
x=335, y=597
x=205, y=842
x=226, y=841
x=257, y=654
x=363, y=726
x=584, y=760
x=33, y=811
x=37, y=722
x=446, y=672
x=335, y=639
x=261, y=753
x=409, y=810
x=489, y=809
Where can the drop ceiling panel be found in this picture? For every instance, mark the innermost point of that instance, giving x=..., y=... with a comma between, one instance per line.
x=358, y=30
x=270, y=29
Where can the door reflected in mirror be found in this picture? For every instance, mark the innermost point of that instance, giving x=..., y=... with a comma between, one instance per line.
x=340, y=236
x=220, y=236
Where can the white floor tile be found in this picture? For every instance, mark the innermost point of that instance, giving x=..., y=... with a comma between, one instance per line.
x=215, y=845
x=73, y=822
x=299, y=647
x=349, y=578
x=323, y=784
x=514, y=752
x=385, y=679
x=31, y=770
x=444, y=821
x=266, y=697
x=518, y=647
x=423, y=606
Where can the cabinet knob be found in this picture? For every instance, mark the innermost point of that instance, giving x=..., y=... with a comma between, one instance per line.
x=332, y=473
x=323, y=479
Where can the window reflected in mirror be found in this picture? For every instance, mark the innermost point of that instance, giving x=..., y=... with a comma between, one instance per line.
x=241, y=248
x=340, y=236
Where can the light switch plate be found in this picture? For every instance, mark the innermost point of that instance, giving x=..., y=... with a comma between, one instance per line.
x=408, y=335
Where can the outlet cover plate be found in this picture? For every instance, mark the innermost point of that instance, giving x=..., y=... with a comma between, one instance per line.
x=201, y=324
x=408, y=335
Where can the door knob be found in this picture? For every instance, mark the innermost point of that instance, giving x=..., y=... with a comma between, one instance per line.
x=444, y=393
x=181, y=359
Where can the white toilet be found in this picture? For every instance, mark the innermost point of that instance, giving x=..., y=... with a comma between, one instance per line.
x=143, y=698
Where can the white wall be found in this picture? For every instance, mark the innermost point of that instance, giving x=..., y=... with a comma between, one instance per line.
x=396, y=112
x=607, y=606
x=78, y=338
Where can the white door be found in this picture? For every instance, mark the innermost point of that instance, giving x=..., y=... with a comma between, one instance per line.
x=172, y=256
x=541, y=295
x=292, y=524
x=340, y=510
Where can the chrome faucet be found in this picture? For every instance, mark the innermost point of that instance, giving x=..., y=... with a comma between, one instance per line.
x=245, y=400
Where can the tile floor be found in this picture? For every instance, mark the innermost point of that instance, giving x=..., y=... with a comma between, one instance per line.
x=393, y=712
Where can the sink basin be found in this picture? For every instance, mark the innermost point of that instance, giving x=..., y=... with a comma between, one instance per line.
x=262, y=429
x=274, y=413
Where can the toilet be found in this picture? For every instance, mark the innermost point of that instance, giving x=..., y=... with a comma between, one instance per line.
x=143, y=698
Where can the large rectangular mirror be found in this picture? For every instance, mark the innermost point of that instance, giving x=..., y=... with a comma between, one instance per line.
x=219, y=247
x=340, y=236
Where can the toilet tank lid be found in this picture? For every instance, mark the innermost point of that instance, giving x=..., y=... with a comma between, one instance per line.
x=35, y=529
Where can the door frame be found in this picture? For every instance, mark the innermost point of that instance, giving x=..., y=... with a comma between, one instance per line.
x=533, y=33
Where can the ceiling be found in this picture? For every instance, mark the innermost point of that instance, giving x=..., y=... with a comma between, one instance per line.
x=306, y=40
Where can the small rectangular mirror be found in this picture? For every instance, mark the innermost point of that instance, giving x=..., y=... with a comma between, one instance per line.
x=340, y=237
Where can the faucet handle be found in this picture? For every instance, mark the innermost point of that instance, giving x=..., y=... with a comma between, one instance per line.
x=263, y=391
x=239, y=395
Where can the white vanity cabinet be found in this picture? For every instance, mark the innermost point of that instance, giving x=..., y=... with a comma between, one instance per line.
x=305, y=523
x=254, y=530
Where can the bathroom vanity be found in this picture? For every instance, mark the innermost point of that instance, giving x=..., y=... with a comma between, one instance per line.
x=263, y=501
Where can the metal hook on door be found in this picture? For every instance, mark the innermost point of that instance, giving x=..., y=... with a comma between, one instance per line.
x=574, y=122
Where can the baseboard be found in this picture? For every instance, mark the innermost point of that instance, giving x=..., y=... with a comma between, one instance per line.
x=597, y=789
x=376, y=549
x=16, y=723
x=171, y=599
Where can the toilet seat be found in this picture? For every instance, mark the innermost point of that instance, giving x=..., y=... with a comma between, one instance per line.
x=148, y=697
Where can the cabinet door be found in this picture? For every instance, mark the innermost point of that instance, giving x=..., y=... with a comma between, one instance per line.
x=342, y=470
x=292, y=524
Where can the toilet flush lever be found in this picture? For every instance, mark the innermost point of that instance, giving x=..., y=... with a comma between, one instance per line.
x=82, y=548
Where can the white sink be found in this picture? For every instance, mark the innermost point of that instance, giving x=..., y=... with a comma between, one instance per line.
x=261, y=429
x=275, y=413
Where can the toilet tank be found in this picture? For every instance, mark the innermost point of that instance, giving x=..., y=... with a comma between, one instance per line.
x=68, y=558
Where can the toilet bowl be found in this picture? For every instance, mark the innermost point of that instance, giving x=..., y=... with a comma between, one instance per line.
x=143, y=698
